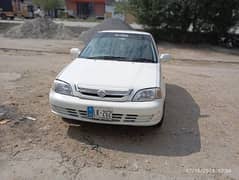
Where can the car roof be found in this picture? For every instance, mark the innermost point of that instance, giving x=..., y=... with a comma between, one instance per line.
x=126, y=31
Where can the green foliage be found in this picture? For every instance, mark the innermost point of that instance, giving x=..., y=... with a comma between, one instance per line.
x=150, y=12
x=48, y=5
x=219, y=14
x=200, y=15
x=122, y=7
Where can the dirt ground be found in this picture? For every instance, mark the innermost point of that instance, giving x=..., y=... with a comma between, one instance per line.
x=199, y=139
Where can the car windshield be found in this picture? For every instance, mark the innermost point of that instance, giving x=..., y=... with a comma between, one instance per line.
x=121, y=47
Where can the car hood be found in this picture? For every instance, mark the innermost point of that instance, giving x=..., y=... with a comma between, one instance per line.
x=111, y=74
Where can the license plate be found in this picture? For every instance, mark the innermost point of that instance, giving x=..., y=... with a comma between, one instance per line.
x=99, y=113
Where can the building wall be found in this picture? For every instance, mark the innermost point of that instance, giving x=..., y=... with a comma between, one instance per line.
x=99, y=9
x=98, y=6
x=71, y=7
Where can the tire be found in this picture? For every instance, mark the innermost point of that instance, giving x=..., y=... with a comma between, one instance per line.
x=12, y=18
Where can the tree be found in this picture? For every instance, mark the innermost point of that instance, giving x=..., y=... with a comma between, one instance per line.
x=201, y=15
x=219, y=14
x=180, y=14
x=150, y=12
x=122, y=7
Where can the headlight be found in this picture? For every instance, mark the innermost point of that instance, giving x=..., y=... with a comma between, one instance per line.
x=62, y=88
x=147, y=95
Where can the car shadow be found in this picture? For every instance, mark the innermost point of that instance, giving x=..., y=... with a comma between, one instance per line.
x=179, y=135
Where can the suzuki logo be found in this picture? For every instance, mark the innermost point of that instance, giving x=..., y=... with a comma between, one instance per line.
x=101, y=93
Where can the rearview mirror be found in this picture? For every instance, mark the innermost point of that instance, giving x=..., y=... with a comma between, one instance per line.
x=165, y=57
x=75, y=52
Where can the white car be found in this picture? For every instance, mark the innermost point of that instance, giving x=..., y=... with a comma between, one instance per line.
x=115, y=79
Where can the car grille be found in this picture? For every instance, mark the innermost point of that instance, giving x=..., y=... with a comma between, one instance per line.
x=109, y=95
x=65, y=111
x=127, y=118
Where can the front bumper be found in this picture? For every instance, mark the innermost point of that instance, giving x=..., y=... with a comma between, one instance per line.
x=124, y=113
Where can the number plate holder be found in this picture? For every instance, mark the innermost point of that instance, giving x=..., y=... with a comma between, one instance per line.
x=99, y=113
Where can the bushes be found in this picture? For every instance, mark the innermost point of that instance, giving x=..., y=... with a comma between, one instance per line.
x=177, y=36
x=187, y=20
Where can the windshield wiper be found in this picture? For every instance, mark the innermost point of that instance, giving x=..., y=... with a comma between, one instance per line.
x=107, y=57
x=141, y=60
x=118, y=58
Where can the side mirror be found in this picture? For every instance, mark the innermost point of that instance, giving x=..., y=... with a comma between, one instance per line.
x=165, y=57
x=75, y=52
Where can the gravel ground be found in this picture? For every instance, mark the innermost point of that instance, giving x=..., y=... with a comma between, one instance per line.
x=40, y=28
x=44, y=28
x=199, y=139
